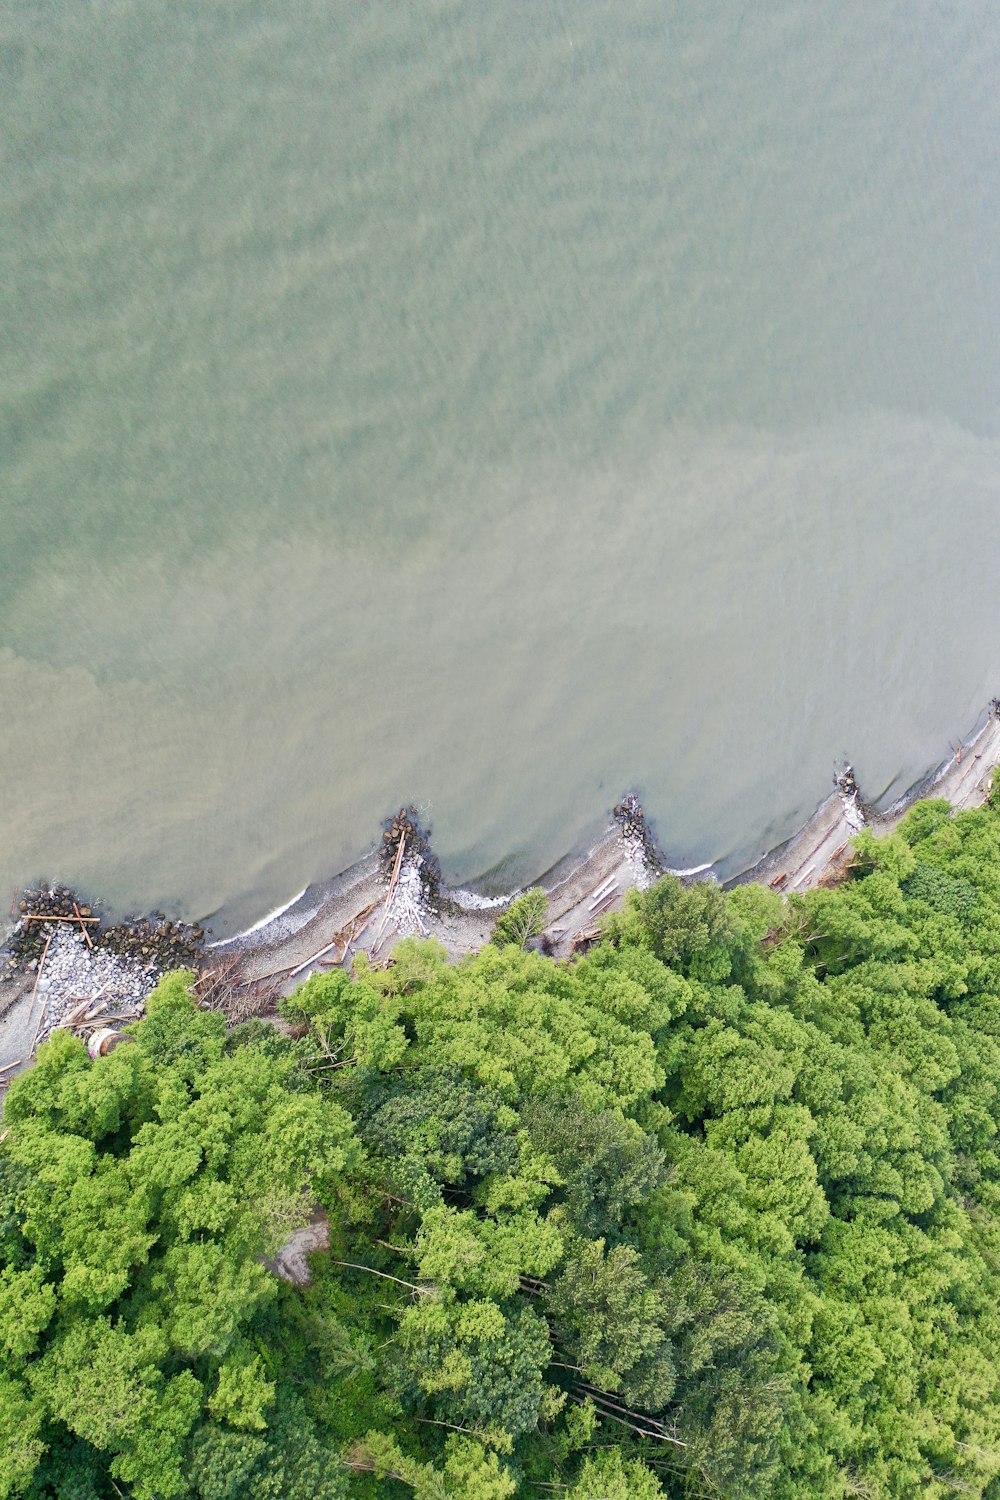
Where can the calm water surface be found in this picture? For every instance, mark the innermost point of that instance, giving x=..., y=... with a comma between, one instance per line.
x=490, y=405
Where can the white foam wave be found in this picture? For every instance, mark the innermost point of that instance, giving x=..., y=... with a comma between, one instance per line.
x=271, y=916
x=472, y=901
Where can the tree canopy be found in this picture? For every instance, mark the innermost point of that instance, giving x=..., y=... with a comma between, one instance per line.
x=707, y=1212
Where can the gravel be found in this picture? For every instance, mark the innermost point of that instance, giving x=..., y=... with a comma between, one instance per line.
x=73, y=973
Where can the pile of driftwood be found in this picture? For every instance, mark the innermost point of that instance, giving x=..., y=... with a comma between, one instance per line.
x=847, y=783
x=86, y=1015
x=397, y=865
x=601, y=898
x=87, y=1019
x=224, y=986
x=338, y=948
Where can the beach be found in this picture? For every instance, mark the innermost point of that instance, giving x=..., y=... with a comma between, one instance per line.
x=369, y=908
x=581, y=889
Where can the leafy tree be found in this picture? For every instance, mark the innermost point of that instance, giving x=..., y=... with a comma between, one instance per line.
x=288, y=1463
x=609, y=1476
x=481, y=1365
x=469, y=1473
x=693, y=929
x=431, y=1128
x=610, y=1322
x=606, y=1163
x=523, y=919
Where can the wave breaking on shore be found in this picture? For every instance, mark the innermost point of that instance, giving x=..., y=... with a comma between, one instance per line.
x=628, y=856
x=395, y=890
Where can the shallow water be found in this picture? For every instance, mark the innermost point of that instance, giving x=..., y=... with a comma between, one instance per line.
x=489, y=406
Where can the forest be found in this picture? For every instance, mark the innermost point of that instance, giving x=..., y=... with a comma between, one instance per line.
x=708, y=1212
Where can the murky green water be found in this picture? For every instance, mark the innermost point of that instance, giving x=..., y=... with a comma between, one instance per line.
x=487, y=405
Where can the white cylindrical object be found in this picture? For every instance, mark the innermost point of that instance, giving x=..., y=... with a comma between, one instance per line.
x=106, y=1040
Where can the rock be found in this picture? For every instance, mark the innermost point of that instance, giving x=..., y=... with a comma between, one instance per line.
x=290, y=1263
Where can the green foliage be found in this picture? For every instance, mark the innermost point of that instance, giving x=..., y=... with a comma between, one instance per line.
x=612, y=1323
x=608, y=1476
x=694, y=929
x=289, y=1463
x=140, y=1193
x=242, y=1395
x=468, y=1473
x=21, y=1446
x=430, y=1128
x=481, y=1365
x=607, y=1164
x=524, y=918
x=713, y=1212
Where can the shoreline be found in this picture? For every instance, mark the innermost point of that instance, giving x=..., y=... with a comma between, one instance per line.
x=818, y=851
x=352, y=912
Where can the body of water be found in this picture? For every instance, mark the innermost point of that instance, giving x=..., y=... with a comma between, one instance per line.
x=489, y=406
